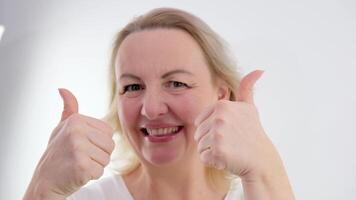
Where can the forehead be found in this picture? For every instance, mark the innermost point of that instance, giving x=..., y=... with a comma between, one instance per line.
x=159, y=50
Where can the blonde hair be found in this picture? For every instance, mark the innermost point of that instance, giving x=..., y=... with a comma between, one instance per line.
x=220, y=63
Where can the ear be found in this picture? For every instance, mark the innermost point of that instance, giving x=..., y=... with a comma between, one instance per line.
x=223, y=91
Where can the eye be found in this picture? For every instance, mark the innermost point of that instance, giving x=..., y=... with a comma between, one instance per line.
x=132, y=88
x=176, y=85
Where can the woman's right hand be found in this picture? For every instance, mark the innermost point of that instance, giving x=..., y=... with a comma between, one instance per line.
x=77, y=152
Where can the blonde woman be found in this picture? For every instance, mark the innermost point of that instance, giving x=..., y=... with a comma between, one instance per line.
x=186, y=124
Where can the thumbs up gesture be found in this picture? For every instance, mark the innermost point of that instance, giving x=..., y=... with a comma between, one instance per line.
x=230, y=135
x=77, y=152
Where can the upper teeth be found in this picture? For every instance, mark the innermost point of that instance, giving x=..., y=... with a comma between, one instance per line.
x=161, y=131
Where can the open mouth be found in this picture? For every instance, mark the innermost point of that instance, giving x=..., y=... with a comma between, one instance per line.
x=161, y=132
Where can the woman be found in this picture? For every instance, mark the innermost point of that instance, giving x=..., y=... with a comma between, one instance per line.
x=187, y=124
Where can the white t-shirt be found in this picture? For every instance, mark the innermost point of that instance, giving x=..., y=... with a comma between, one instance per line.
x=114, y=188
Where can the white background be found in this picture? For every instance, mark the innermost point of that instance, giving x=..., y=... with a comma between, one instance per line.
x=306, y=97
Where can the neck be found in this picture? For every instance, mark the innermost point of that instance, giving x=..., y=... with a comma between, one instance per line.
x=180, y=180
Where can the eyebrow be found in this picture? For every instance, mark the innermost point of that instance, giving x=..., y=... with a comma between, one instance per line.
x=170, y=73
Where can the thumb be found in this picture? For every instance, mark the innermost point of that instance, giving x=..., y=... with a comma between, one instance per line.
x=70, y=104
x=244, y=92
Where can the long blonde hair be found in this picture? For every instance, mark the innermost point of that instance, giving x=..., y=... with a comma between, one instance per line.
x=220, y=63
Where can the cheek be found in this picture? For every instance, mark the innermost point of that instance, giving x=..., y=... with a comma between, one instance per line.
x=189, y=107
x=185, y=109
x=128, y=111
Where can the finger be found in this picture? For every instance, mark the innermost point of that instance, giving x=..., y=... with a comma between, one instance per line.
x=101, y=141
x=98, y=155
x=209, y=160
x=205, y=143
x=96, y=170
x=206, y=157
x=99, y=125
x=202, y=129
x=204, y=114
x=244, y=92
x=70, y=103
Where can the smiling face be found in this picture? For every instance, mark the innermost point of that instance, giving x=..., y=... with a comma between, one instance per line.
x=163, y=84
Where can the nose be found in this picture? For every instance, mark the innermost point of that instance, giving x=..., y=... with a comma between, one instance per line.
x=153, y=105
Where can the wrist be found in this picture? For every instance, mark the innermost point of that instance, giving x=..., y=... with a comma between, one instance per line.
x=272, y=184
x=40, y=190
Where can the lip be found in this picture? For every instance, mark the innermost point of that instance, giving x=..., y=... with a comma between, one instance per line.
x=163, y=139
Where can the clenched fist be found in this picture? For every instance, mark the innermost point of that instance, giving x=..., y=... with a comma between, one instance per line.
x=230, y=136
x=77, y=152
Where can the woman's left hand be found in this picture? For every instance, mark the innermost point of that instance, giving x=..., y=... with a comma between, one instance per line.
x=230, y=135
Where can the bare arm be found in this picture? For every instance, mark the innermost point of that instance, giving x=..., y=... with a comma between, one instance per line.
x=273, y=184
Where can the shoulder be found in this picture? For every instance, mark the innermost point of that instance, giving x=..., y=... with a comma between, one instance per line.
x=107, y=188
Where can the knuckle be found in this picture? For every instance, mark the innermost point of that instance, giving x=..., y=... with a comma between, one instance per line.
x=73, y=131
x=82, y=178
x=76, y=155
x=82, y=174
x=74, y=142
x=82, y=164
x=217, y=136
x=219, y=121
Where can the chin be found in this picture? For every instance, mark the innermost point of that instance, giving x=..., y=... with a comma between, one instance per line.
x=162, y=157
